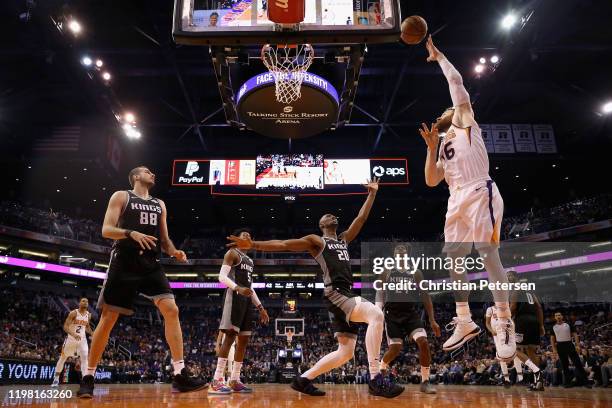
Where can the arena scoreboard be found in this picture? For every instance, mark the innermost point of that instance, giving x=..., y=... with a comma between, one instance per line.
x=288, y=174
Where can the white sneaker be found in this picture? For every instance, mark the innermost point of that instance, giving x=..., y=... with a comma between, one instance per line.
x=55, y=382
x=505, y=340
x=463, y=332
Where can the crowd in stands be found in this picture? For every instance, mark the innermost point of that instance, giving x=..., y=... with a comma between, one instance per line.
x=50, y=222
x=212, y=243
x=577, y=212
x=31, y=329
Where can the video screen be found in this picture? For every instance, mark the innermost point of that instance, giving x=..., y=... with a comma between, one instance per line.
x=346, y=171
x=232, y=172
x=289, y=172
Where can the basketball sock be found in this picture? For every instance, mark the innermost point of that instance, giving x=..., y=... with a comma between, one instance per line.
x=332, y=360
x=463, y=311
x=90, y=370
x=504, y=368
x=84, y=360
x=236, y=367
x=532, y=366
x=177, y=366
x=220, y=370
x=503, y=310
x=60, y=365
x=424, y=374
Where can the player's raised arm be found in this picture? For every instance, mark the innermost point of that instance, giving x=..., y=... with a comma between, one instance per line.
x=166, y=243
x=357, y=224
x=309, y=243
x=464, y=115
x=434, y=172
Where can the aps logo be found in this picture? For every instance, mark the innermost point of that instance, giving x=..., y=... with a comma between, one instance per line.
x=380, y=171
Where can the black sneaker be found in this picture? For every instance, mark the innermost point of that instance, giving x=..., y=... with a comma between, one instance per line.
x=87, y=387
x=184, y=382
x=305, y=386
x=382, y=387
x=507, y=384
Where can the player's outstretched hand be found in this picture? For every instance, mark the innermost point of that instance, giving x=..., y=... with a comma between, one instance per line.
x=247, y=292
x=145, y=241
x=435, y=327
x=263, y=317
x=430, y=136
x=240, y=243
x=180, y=256
x=372, y=185
x=434, y=53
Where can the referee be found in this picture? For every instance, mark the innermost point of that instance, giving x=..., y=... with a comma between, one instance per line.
x=562, y=345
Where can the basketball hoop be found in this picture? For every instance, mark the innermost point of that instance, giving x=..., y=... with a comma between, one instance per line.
x=288, y=64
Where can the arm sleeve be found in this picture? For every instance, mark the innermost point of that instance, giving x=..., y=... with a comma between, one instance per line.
x=255, y=299
x=459, y=94
x=224, y=278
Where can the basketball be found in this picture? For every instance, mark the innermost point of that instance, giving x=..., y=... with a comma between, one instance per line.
x=414, y=30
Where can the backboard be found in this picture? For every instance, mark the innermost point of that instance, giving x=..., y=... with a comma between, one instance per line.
x=244, y=22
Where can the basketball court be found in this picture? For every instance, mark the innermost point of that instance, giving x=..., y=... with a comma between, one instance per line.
x=280, y=395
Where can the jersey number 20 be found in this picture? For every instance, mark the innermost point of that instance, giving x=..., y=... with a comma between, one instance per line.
x=147, y=218
x=343, y=255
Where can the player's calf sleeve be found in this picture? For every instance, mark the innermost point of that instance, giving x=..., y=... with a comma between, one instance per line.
x=332, y=360
x=493, y=265
x=458, y=274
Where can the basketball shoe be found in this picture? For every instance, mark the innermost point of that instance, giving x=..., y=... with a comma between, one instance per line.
x=237, y=386
x=218, y=387
x=55, y=382
x=463, y=331
x=505, y=340
x=86, y=389
x=185, y=382
x=305, y=386
x=381, y=386
x=427, y=388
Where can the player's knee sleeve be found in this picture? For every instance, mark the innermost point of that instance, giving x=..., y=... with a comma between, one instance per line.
x=374, y=314
x=493, y=265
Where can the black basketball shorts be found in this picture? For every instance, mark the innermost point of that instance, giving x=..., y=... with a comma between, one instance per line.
x=527, y=330
x=237, y=313
x=130, y=273
x=399, y=325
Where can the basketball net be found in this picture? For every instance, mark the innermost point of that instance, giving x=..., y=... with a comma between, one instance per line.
x=288, y=65
x=289, y=337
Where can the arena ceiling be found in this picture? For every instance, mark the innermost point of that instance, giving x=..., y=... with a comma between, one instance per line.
x=555, y=70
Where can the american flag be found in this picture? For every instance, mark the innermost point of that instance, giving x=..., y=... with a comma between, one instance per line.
x=62, y=139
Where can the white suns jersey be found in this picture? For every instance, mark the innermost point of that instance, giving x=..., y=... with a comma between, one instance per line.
x=79, y=324
x=463, y=155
